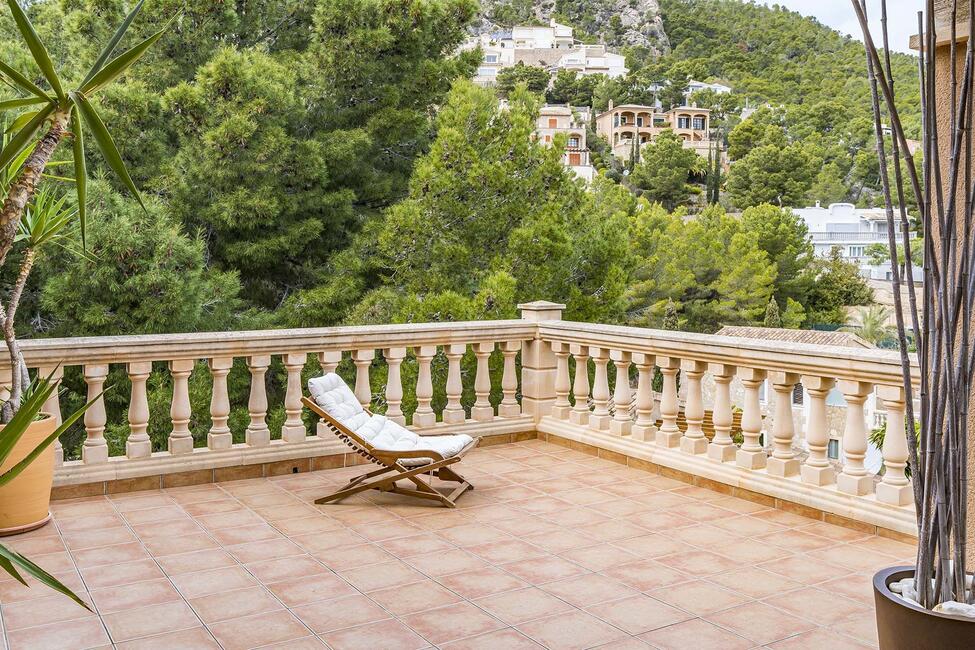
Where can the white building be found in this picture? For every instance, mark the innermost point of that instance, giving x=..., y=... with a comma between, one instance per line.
x=593, y=59
x=551, y=46
x=555, y=120
x=694, y=86
x=851, y=230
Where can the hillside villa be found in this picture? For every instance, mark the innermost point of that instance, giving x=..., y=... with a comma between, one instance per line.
x=554, y=120
x=852, y=230
x=623, y=124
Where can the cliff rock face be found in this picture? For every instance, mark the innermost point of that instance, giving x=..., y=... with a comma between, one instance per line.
x=616, y=22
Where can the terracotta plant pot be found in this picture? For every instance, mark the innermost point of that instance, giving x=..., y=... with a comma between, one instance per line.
x=905, y=626
x=25, y=501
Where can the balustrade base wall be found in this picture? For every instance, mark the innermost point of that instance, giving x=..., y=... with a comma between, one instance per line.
x=786, y=493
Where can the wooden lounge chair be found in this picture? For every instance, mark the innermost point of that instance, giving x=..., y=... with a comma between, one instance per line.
x=401, y=454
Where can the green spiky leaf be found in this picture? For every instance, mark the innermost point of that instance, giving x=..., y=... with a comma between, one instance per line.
x=120, y=64
x=23, y=138
x=80, y=171
x=105, y=143
x=23, y=82
x=113, y=43
x=11, y=557
x=10, y=104
x=36, y=47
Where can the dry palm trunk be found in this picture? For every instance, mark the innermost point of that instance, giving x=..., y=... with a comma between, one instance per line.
x=938, y=456
x=21, y=191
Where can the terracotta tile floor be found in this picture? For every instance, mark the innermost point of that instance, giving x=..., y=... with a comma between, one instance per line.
x=553, y=549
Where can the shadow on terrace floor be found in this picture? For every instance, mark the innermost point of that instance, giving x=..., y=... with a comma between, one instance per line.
x=553, y=548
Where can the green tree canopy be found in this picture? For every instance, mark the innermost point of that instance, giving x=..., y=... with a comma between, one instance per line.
x=664, y=170
x=771, y=174
x=534, y=78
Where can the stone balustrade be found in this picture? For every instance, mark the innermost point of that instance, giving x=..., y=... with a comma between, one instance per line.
x=633, y=392
x=770, y=457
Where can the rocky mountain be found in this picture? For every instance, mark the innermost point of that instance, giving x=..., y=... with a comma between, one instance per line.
x=615, y=22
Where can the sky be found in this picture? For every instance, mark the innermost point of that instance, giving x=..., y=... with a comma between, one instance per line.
x=838, y=14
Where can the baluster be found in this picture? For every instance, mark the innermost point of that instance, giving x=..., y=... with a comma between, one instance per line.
x=580, y=387
x=363, y=389
x=895, y=487
x=95, y=449
x=257, y=433
x=694, y=441
x=751, y=455
x=622, y=424
x=854, y=478
x=509, y=407
x=180, y=438
x=817, y=469
x=669, y=434
x=138, y=444
x=424, y=415
x=645, y=428
x=600, y=417
x=482, y=410
x=783, y=461
x=53, y=406
x=329, y=360
x=293, y=429
x=454, y=411
x=219, y=436
x=394, y=384
x=722, y=447
x=563, y=385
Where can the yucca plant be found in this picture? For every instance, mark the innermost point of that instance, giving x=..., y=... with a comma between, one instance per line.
x=45, y=118
x=36, y=394
x=41, y=118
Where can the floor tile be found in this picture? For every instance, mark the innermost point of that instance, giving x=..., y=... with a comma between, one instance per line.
x=327, y=615
x=202, y=583
x=522, y=605
x=571, y=631
x=506, y=639
x=695, y=633
x=70, y=635
x=481, y=582
x=414, y=597
x=759, y=622
x=149, y=621
x=381, y=576
x=452, y=622
x=699, y=597
x=234, y=604
x=139, y=594
x=638, y=614
x=258, y=630
x=588, y=589
x=301, y=591
x=382, y=635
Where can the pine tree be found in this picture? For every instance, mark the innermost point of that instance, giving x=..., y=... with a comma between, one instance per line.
x=671, y=319
x=772, y=318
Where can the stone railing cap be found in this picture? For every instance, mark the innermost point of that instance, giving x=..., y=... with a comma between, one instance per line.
x=541, y=305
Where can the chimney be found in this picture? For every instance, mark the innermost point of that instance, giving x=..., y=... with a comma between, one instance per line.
x=610, y=105
x=817, y=204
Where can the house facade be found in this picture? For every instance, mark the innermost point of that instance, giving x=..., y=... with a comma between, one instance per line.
x=630, y=124
x=851, y=230
x=569, y=121
x=551, y=46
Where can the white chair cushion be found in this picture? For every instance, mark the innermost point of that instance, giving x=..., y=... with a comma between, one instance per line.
x=334, y=396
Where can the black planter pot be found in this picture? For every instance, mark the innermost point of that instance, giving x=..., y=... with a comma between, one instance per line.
x=904, y=626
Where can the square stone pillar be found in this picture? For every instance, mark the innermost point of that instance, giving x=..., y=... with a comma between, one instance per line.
x=538, y=362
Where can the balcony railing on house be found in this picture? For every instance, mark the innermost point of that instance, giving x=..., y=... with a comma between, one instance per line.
x=539, y=390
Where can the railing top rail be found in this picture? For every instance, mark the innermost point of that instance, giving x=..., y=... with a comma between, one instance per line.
x=857, y=364
x=203, y=345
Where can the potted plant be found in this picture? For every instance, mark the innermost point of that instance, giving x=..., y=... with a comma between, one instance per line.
x=930, y=604
x=32, y=216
